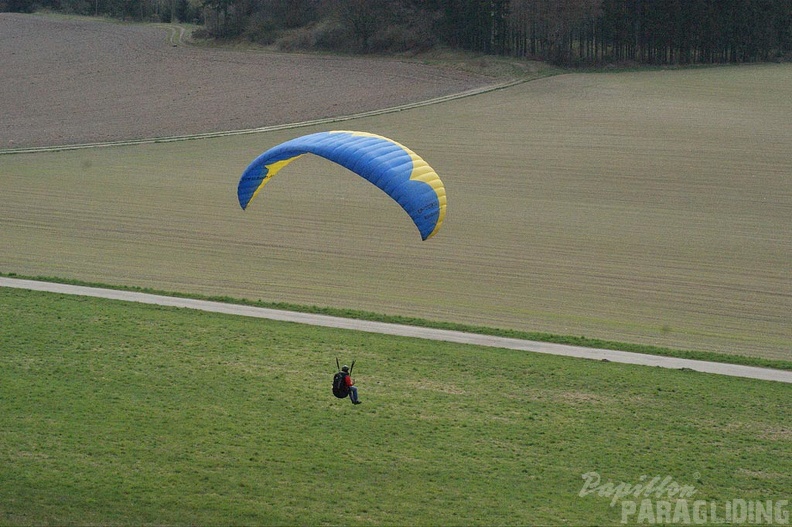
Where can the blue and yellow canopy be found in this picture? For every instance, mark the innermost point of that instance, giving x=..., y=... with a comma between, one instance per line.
x=394, y=168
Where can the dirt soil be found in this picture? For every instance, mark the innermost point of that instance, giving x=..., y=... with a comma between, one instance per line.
x=78, y=80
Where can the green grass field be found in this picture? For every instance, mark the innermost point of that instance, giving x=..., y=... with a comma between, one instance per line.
x=126, y=414
x=647, y=207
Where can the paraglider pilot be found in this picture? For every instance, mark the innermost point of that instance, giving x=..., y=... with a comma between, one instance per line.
x=350, y=383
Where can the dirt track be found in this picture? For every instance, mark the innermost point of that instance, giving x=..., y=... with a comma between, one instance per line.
x=733, y=370
x=74, y=81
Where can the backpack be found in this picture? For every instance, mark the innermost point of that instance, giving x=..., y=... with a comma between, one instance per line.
x=340, y=389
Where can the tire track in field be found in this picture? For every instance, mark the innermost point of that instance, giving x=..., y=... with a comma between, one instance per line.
x=272, y=128
x=85, y=81
x=718, y=368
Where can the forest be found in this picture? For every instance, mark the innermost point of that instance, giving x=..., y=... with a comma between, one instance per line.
x=563, y=32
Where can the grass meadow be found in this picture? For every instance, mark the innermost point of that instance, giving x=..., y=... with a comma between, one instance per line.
x=646, y=207
x=125, y=414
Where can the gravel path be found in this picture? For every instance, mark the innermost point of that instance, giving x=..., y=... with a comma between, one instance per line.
x=733, y=370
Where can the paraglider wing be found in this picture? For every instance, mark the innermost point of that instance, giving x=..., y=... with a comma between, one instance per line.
x=395, y=169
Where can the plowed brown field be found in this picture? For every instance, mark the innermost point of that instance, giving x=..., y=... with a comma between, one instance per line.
x=77, y=80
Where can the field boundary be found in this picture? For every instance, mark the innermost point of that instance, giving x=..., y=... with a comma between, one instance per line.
x=271, y=128
x=386, y=328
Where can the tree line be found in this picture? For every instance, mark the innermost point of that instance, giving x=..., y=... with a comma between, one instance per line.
x=641, y=31
x=565, y=32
